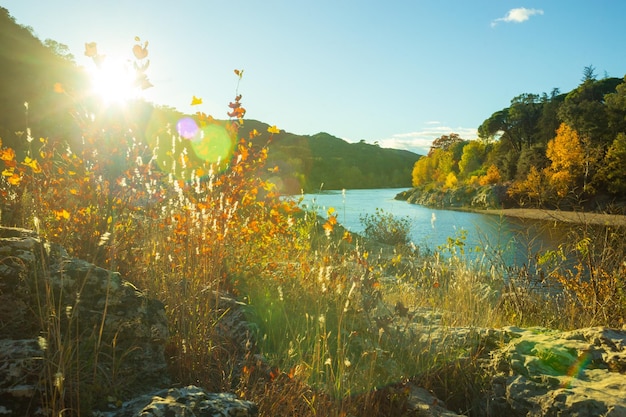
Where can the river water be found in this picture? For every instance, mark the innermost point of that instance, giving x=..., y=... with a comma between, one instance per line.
x=514, y=239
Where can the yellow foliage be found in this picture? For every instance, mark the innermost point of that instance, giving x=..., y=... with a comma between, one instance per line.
x=451, y=180
x=492, y=177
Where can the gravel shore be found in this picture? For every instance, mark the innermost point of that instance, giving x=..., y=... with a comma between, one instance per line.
x=561, y=216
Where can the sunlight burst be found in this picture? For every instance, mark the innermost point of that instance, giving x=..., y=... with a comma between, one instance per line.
x=113, y=81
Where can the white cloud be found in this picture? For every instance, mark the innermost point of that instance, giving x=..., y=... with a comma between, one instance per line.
x=518, y=15
x=420, y=141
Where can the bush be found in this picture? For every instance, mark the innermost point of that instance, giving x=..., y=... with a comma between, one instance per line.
x=386, y=228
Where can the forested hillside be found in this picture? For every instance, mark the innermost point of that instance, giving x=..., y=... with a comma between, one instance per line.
x=546, y=150
x=323, y=161
x=30, y=69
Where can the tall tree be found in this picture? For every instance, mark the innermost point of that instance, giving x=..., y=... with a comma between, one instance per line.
x=613, y=165
x=567, y=159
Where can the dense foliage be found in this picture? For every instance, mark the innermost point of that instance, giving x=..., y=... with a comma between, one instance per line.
x=550, y=150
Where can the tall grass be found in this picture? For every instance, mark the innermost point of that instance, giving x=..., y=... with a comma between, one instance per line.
x=337, y=324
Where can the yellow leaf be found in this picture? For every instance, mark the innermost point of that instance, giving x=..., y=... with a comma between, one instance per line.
x=273, y=129
x=196, y=101
x=62, y=214
x=7, y=172
x=33, y=164
x=14, y=179
x=109, y=220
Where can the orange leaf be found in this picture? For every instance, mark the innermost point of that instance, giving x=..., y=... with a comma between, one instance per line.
x=15, y=179
x=91, y=49
x=58, y=88
x=7, y=154
x=140, y=52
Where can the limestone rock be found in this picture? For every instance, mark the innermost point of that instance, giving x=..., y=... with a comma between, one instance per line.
x=86, y=325
x=182, y=402
x=544, y=372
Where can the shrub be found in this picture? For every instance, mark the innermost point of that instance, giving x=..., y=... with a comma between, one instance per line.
x=386, y=228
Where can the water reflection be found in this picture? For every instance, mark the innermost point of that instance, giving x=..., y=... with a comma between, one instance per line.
x=514, y=240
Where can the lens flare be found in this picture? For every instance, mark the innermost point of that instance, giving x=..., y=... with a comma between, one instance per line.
x=213, y=143
x=187, y=128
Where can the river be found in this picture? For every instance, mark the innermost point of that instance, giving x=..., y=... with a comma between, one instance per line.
x=516, y=239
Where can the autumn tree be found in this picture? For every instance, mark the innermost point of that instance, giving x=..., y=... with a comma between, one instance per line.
x=491, y=177
x=567, y=158
x=445, y=143
x=532, y=190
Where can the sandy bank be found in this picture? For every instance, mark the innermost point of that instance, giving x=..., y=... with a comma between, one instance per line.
x=561, y=216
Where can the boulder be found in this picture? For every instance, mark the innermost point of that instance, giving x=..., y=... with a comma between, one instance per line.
x=183, y=402
x=86, y=326
x=542, y=372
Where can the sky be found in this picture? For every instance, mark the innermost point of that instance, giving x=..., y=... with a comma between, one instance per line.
x=399, y=73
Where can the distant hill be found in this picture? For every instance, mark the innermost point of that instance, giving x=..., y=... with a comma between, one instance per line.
x=324, y=161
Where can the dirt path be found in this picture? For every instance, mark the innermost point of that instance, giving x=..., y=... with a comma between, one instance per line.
x=561, y=216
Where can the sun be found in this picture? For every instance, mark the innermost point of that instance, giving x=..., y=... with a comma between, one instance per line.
x=114, y=82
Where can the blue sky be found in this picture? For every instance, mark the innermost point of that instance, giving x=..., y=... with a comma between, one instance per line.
x=400, y=73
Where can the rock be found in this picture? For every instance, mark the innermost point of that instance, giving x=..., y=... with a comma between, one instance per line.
x=91, y=329
x=543, y=372
x=183, y=402
x=425, y=404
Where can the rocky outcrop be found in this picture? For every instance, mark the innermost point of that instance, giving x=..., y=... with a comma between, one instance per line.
x=542, y=372
x=528, y=372
x=467, y=197
x=68, y=325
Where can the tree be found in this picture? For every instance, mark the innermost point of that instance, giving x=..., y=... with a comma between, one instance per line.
x=567, y=158
x=445, y=142
x=472, y=159
x=516, y=124
x=59, y=49
x=584, y=110
x=613, y=165
x=491, y=177
x=531, y=190
x=616, y=108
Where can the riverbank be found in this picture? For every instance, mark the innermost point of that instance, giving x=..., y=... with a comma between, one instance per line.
x=559, y=216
